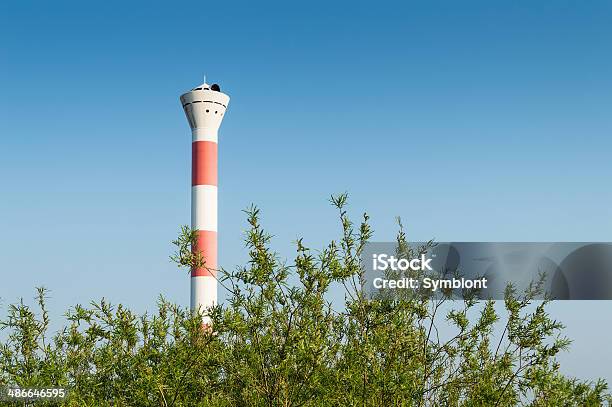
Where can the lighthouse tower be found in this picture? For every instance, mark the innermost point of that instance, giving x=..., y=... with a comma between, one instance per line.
x=205, y=108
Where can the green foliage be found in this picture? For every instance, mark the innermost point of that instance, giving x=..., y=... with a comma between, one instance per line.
x=278, y=341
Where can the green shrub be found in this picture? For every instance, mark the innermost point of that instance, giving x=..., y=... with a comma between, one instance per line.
x=279, y=342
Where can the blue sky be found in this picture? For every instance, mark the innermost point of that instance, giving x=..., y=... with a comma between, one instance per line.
x=472, y=121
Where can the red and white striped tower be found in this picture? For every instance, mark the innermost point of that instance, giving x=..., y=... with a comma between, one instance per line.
x=205, y=107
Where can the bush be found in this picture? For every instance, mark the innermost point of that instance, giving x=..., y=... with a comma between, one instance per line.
x=279, y=342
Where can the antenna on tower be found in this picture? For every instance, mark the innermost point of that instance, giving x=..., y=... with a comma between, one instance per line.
x=204, y=78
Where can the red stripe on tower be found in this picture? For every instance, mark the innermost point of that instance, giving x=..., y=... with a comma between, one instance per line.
x=206, y=245
x=204, y=163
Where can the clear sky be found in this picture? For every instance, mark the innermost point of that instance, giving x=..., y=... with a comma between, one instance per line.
x=473, y=121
